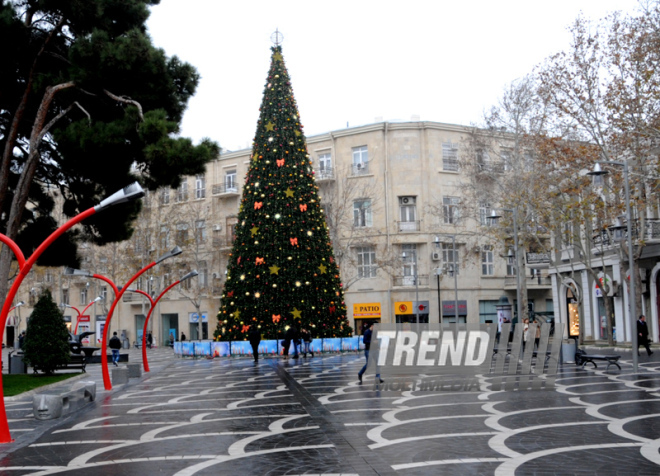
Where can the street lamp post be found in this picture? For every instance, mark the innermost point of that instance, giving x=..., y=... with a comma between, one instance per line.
x=118, y=294
x=494, y=217
x=153, y=302
x=632, y=304
x=129, y=193
x=415, y=277
x=81, y=313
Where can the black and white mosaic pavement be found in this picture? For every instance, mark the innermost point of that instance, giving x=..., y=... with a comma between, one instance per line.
x=311, y=416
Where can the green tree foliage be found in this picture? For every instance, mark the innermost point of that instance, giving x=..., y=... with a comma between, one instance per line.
x=282, y=269
x=87, y=105
x=46, y=343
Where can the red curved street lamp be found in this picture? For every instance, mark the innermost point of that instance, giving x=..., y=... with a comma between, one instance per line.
x=75, y=331
x=118, y=294
x=129, y=193
x=153, y=302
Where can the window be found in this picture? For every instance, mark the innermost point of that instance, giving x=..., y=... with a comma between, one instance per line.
x=450, y=156
x=230, y=181
x=83, y=295
x=164, y=237
x=104, y=292
x=167, y=277
x=362, y=213
x=200, y=186
x=409, y=256
x=488, y=312
x=510, y=263
x=483, y=160
x=231, y=229
x=360, y=160
x=203, y=276
x=567, y=234
x=407, y=206
x=451, y=212
x=325, y=165
x=182, y=192
x=450, y=257
x=366, y=262
x=505, y=155
x=487, y=265
x=65, y=296
x=484, y=214
x=165, y=196
x=200, y=231
x=181, y=234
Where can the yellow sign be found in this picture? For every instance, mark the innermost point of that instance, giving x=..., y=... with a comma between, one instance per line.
x=403, y=307
x=370, y=309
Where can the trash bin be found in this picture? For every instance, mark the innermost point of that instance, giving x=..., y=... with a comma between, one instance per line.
x=16, y=364
x=568, y=348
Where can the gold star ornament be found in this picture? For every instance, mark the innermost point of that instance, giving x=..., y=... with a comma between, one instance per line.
x=296, y=313
x=322, y=268
x=270, y=126
x=274, y=270
x=254, y=230
x=289, y=192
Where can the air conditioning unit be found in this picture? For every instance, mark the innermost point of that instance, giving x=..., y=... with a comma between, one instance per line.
x=477, y=249
x=407, y=200
x=216, y=275
x=359, y=165
x=436, y=256
x=217, y=227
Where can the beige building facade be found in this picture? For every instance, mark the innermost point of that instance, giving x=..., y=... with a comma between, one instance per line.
x=408, y=241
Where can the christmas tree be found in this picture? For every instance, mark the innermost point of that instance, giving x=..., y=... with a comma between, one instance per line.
x=281, y=270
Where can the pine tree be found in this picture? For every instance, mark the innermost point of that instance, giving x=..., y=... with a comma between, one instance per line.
x=282, y=270
x=46, y=343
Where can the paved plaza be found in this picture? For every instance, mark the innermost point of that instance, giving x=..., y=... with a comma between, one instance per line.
x=310, y=416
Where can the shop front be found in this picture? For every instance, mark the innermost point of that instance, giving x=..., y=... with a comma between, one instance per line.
x=364, y=313
x=411, y=311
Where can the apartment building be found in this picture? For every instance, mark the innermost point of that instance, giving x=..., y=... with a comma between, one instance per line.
x=408, y=239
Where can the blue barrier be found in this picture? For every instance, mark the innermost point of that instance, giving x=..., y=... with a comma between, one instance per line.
x=266, y=347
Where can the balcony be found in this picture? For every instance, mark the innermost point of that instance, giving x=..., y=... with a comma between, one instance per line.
x=361, y=168
x=539, y=281
x=405, y=226
x=326, y=174
x=606, y=238
x=409, y=281
x=225, y=190
x=134, y=298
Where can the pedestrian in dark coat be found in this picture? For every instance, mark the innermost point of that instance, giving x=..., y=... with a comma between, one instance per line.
x=254, y=336
x=643, y=335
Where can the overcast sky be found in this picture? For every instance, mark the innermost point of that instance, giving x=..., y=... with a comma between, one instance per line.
x=356, y=62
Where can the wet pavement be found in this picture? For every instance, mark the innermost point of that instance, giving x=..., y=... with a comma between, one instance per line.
x=310, y=416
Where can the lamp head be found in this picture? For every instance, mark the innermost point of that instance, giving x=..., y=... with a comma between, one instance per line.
x=77, y=272
x=99, y=298
x=494, y=216
x=126, y=194
x=597, y=171
x=175, y=251
x=192, y=274
x=20, y=303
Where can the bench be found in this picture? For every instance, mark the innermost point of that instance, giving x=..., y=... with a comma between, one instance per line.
x=582, y=359
x=76, y=361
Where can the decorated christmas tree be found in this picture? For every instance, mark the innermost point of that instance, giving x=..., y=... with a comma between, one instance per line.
x=281, y=270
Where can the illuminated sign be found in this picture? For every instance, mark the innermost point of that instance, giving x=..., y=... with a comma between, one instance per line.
x=370, y=309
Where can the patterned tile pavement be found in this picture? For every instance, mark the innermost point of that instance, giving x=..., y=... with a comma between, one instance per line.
x=310, y=416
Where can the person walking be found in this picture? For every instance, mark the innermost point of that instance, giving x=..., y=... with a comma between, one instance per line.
x=366, y=340
x=643, y=335
x=21, y=340
x=286, y=343
x=293, y=335
x=254, y=337
x=150, y=340
x=306, y=337
x=183, y=337
x=115, y=345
